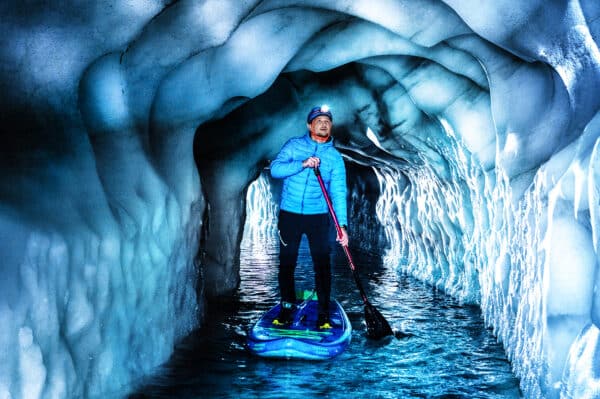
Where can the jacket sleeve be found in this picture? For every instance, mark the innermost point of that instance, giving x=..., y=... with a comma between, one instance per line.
x=284, y=164
x=338, y=192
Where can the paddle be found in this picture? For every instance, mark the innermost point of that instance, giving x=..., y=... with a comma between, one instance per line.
x=377, y=325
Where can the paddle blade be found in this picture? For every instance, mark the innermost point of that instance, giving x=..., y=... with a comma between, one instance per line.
x=377, y=325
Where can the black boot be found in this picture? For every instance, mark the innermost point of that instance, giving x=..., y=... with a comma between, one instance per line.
x=323, y=322
x=285, y=316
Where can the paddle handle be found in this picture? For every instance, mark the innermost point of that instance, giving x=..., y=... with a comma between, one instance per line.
x=339, y=232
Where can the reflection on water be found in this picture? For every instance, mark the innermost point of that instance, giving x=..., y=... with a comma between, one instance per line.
x=449, y=355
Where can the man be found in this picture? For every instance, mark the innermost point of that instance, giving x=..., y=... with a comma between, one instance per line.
x=303, y=209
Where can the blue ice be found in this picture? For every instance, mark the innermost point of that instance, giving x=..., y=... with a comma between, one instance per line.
x=484, y=126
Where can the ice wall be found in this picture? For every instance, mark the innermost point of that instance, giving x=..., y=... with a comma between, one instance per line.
x=479, y=119
x=530, y=262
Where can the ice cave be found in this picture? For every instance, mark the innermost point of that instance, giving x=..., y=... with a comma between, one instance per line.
x=131, y=131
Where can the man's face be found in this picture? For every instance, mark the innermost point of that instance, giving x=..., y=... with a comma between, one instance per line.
x=320, y=128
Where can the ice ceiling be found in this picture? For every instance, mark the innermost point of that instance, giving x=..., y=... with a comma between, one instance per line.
x=479, y=120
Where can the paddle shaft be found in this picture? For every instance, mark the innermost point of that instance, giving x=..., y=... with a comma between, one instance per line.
x=339, y=232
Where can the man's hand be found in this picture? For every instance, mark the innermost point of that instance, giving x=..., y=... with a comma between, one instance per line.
x=312, y=162
x=343, y=240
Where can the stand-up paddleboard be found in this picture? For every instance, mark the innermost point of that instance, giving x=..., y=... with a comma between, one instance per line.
x=301, y=339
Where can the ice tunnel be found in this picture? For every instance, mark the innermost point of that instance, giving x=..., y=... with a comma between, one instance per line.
x=131, y=131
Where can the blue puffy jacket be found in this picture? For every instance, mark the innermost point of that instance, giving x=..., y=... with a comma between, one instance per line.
x=301, y=191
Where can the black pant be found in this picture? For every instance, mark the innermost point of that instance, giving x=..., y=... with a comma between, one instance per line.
x=316, y=227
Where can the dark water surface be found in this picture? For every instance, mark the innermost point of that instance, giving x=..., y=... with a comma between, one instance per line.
x=448, y=354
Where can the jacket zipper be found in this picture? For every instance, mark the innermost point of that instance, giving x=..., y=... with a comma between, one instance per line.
x=306, y=182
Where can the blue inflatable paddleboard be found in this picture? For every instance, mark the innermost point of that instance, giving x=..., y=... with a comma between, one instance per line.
x=302, y=339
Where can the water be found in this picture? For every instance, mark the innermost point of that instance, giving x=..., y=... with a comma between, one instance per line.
x=447, y=353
